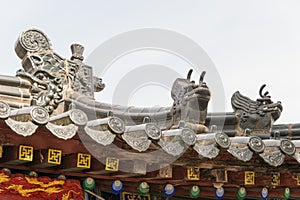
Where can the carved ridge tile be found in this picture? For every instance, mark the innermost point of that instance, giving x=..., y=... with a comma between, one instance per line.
x=102, y=137
x=274, y=158
x=241, y=153
x=21, y=128
x=174, y=148
x=137, y=141
x=208, y=151
x=62, y=132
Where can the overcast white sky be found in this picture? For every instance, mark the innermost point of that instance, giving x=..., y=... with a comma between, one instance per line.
x=250, y=42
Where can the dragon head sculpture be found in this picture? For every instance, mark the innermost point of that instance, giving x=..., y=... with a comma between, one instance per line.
x=257, y=116
x=190, y=100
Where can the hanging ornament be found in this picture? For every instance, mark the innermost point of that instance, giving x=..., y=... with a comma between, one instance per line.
x=220, y=192
x=6, y=171
x=88, y=183
x=242, y=193
x=62, y=177
x=169, y=190
x=33, y=174
x=264, y=193
x=117, y=187
x=143, y=188
x=286, y=193
x=194, y=191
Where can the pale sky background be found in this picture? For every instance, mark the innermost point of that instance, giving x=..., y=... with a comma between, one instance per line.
x=250, y=42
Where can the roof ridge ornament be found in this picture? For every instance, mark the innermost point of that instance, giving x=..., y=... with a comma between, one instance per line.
x=77, y=52
x=190, y=102
x=259, y=115
x=41, y=64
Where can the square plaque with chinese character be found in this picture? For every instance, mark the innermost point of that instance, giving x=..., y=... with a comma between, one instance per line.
x=54, y=156
x=112, y=164
x=193, y=173
x=249, y=178
x=275, y=179
x=25, y=153
x=83, y=160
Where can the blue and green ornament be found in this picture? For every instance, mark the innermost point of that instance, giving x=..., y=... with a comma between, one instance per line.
x=6, y=171
x=61, y=177
x=264, y=193
x=220, y=192
x=117, y=187
x=88, y=183
x=143, y=188
x=33, y=174
x=242, y=193
x=169, y=190
x=287, y=193
x=194, y=191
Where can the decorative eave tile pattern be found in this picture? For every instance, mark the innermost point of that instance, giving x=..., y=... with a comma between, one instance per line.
x=25, y=122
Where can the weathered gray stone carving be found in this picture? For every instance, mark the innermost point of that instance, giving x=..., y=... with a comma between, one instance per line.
x=138, y=136
x=4, y=110
x=272, y=153
x=63, y=132
x=239, y=148
x=258, y=116
x=21, y=128
x=256, y=144
x=190, y=102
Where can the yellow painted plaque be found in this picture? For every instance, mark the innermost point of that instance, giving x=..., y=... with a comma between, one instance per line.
x=298, y=179
x=54, y=156
x=83, y=160
x=275, y=179
x=112, y=164
x=25, y=153
x=249, y=178
x=193, y=173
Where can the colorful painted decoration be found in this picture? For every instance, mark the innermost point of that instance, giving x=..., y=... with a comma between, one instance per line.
x=169, y=190
x=88, y=183
x=19, y=186
x=264, y=193
x=286, y=193
x=33, y=174
x=62, y=177
x=220, y=192
x=143, y=188
x=117, y=187
x=242, y=193
x=194, y=191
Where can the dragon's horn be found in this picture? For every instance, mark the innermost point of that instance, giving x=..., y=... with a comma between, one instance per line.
x=202, y=77
x=189, y=74
x=261, y=91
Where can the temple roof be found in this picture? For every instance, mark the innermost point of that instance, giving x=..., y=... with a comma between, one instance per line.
x=50, y=105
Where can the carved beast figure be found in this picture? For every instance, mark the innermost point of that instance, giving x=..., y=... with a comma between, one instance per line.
x=56, y=82
x=46, y=89
x=53, y=77
x=257, y=116
x=190, y=101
